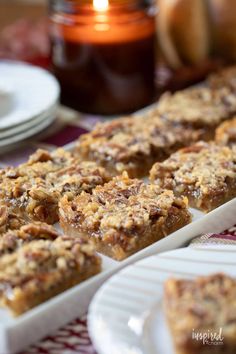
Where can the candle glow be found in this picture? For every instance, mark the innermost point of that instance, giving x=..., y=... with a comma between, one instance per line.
x=109, y=41
x=100, y=5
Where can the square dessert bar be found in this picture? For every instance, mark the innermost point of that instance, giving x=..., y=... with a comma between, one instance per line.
x=33, y=189
x=16, y=185
x=199, y=107
x=226, y=133
x=11, y=240
x=39, y=270
x=133, y=144
x=204, y=172
x=202, y=307
x=123, y=216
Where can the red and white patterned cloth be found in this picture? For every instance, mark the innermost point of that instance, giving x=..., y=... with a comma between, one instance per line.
x=26, y=40
x=227, y=237
x=72, y=339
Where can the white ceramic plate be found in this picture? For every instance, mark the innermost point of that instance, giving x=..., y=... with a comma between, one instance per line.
x=126, y=315
x=34, y=92
x=40, y=126
x=20, y=128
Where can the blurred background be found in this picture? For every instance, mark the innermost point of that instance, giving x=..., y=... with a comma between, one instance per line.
x=23, y=31
x=11, y=10
x=195, y=37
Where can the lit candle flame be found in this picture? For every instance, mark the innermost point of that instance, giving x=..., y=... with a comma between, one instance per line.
x=100, y=5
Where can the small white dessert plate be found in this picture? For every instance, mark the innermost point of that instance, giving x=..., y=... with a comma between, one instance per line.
x=6, y=99
x=126, y=315
x=33, y=91
x=31, y=124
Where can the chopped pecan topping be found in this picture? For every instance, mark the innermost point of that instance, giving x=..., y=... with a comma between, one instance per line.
x=9, y=220
x=40, y=156
x=3, y=215
x=122, y=211
x=36, y=186
x=14, y=238
x=206, y=305
x=41, y=269
x=38, y=229
x=226, y=133
x=205, y=172
x=42, y=256
x=134, y=143
x=200, y=107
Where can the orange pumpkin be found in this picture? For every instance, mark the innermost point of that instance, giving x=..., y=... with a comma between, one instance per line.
x=190, y=31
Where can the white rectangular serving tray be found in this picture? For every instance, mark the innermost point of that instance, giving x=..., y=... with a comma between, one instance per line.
x=18, y=333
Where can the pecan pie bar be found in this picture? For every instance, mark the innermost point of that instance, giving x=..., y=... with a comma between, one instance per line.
x=199, y=107
x=204, y=172
x=123, y=216
x=223, y=78
x=133, y=144
x=16, y=185
x=41, y=163
x=42, y=269
x=201, y=314
x=226, y=133
x=13, y=239
x=34, y=189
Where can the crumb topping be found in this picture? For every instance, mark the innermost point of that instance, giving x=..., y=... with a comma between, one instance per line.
x=226, y=132
x=13, y=239
x=9, y=220
x=35, y=188
x=205, y=166
x=41, y=264
x=121, y=209
x=199, y=106
x=41, y=163
x=134, y=141
x=82, y=176
x=207, y=302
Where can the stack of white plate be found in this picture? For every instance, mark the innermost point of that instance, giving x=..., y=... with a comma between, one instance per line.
x=28, y=101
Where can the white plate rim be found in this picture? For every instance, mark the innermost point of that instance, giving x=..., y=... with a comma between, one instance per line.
x=8, y=133
x=49, y=80
x=105, y=335
x=27, y=134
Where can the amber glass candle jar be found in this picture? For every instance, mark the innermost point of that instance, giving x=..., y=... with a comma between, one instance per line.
x=103, y=53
